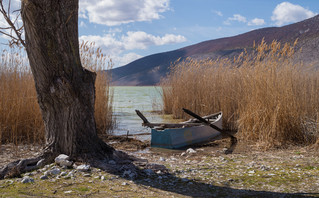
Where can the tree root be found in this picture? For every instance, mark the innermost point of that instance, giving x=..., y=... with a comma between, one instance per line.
x=122, y=161
x=16, y=168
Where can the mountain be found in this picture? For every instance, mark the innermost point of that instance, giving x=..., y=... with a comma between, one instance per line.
x=150, y=69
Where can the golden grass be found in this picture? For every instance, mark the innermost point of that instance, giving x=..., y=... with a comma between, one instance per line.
x=264, y=95
x=20, y=117
x=93, y=59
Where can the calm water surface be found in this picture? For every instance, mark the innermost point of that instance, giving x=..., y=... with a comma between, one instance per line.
x=127, y=99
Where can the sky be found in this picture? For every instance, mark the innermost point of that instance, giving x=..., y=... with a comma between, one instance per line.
x=130, y=29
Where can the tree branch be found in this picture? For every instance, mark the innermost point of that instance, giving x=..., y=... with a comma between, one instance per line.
x=18, y=31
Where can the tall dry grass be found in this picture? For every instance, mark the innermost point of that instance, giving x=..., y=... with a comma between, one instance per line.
x=93, y=59
x=264, y=95
x=20, y=117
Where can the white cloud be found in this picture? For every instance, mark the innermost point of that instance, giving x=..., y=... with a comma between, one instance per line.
x=219, y=13
x=141, y=40
x=125, y=59
x=132, y=40
x=237, y=17
x=256, y=21
x=114, y=46
x=115, y=12
x=82, y=24
x=115, y=30
x=286, y=12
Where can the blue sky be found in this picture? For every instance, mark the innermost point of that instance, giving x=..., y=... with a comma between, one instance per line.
x=129, y=29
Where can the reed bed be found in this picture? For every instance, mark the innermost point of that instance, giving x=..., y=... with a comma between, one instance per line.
x=20, y=117
x=264, y=94
x=93, y=59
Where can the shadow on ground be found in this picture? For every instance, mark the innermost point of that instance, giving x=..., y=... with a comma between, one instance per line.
x=158, y=177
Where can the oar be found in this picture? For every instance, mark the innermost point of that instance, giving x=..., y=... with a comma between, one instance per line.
x=233, y=138
x=145, y=121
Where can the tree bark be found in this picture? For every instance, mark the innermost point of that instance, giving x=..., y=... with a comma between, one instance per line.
x=65, y=90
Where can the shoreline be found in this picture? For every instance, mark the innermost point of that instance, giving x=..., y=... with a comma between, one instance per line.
x=205, y=172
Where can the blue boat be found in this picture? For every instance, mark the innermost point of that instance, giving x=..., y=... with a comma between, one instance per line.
x=174, y=136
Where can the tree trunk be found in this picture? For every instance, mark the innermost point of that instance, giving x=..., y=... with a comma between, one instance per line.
x=65, y=90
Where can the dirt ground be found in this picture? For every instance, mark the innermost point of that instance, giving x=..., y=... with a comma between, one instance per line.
x=203, y=171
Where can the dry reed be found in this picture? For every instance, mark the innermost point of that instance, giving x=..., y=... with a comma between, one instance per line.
x=20, y=117
x=93, y=59
x=265, y=95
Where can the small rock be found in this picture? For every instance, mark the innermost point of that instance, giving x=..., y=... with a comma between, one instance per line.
x=63, y=173
x=148, y=180
x=222, y=159
x=124, y=184
x=70, y=174
x=55, y=171
x=61, y=157
x=148, y=172
x=252, y=164
x=264, y=168
x=190, y=151
x=26, y=180
x=43, y=177
x=129, y=173
x=28, y=174
x=83, y=168
x=162, y=159
x=103, y=178
x=9, y=182
x=63, y=160
x=251, y=172
x=183, y=154
x=271, y=174
x=68, y=192
x=87, y=175
x=156, y=167
x=112, y=162
x=184, y=180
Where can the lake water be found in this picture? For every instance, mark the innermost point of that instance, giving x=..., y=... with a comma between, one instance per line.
x=127, y=99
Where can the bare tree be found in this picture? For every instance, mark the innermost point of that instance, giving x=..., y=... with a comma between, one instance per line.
x=65, y=90
x=14, y=30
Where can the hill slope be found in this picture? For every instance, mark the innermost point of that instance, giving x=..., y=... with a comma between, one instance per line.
x=150, y=69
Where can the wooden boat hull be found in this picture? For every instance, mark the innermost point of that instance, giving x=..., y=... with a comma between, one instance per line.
x=175, y=138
